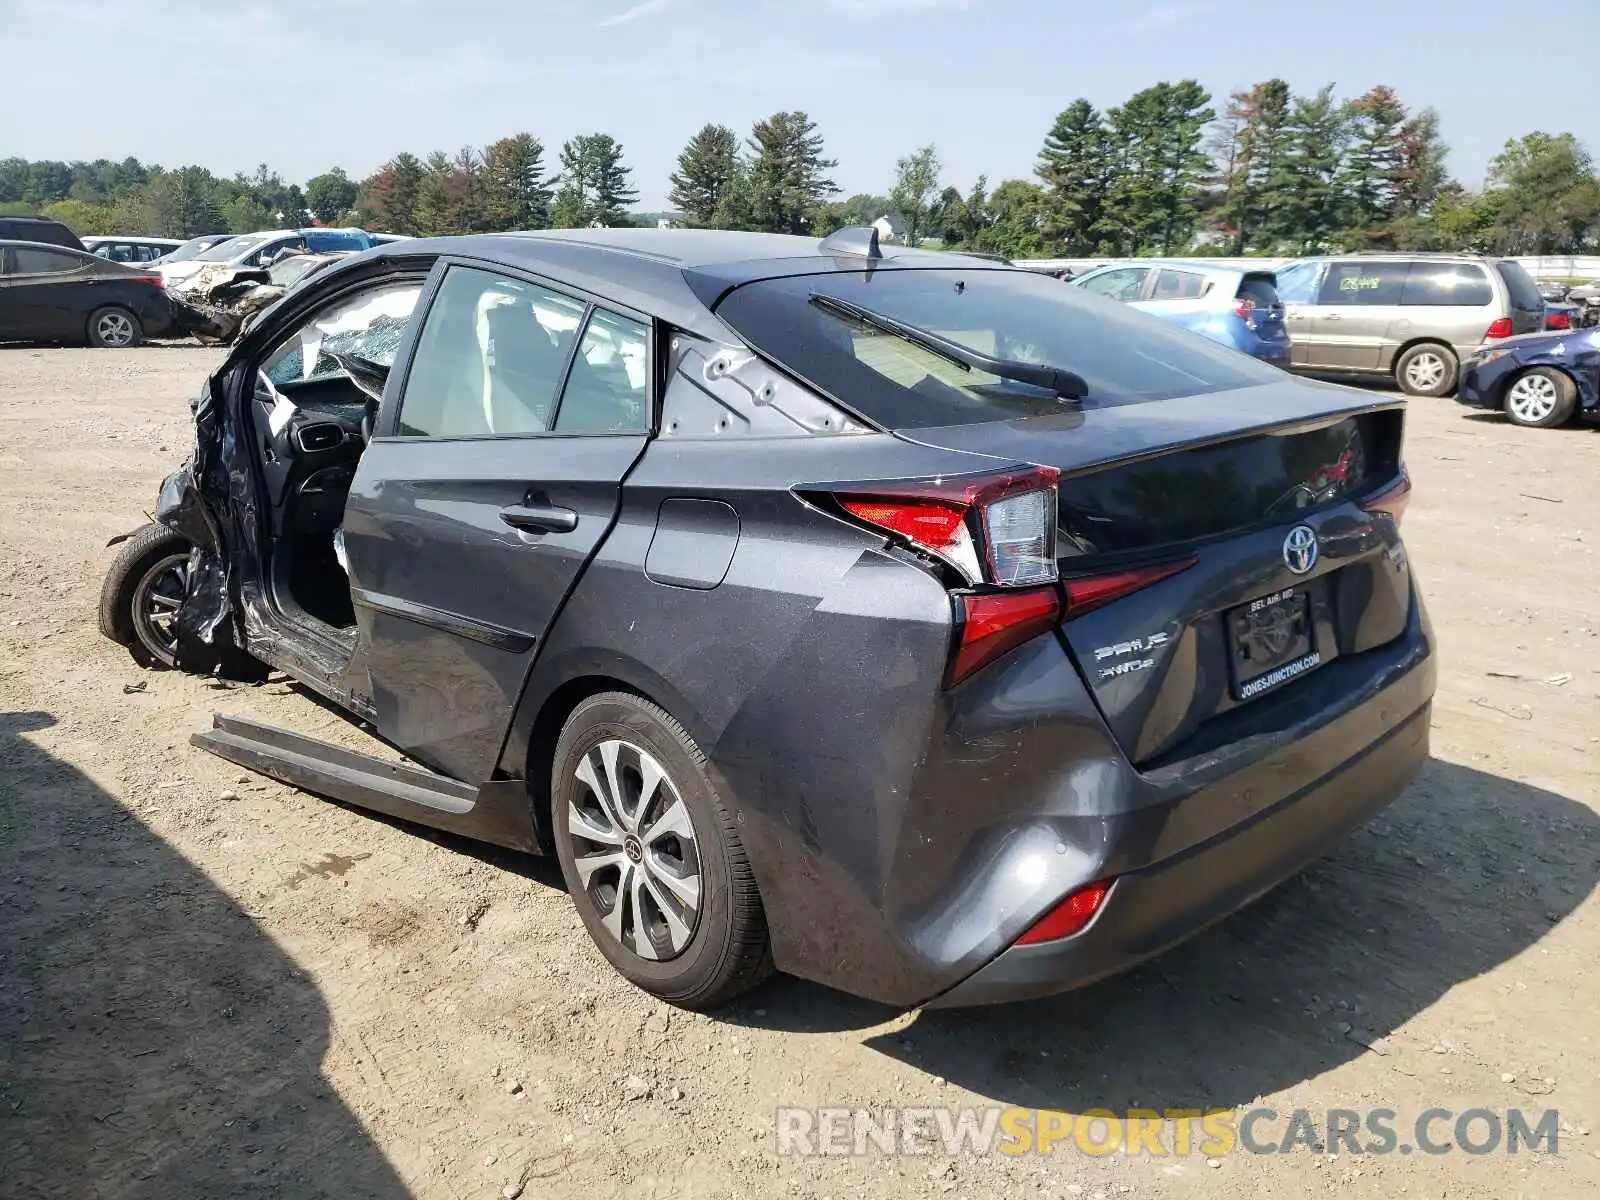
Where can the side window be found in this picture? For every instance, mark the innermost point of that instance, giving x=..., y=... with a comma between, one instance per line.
x=28, y=261
x=1364, y=283
x=123, y=252
x=490, y=359
x=606, y=391
x=1125, y=283
x=1297, y=284
x=369, y=324
x=101, y=250
x=1179, y=285
x=1446, y=283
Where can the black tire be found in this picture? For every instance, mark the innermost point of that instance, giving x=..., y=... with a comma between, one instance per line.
x=1541, y=398
x=1427, y=369
x=726, y=951
x=152, y=562
x=114, y=328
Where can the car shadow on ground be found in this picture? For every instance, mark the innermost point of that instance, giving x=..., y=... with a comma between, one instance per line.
x=1466, y=871
x=154, y=1042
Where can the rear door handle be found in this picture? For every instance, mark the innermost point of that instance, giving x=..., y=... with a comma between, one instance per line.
x=1331, y=317
x=539, y=518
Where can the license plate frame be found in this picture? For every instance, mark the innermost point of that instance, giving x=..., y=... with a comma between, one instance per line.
x=1271, y=641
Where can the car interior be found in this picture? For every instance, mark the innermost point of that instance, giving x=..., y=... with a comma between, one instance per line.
x=490, y=363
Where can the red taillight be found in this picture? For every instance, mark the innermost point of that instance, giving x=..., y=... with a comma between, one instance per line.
x=1392, y=501
x=1089, y=592
x=1068, y=917
x=1499, y=328
x=932, y=526
x=152, y=280
x=1244, y=308
x=1558, y=320
x=997, y=528
x=993, y=623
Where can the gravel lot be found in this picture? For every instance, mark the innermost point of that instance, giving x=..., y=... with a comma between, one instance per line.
x=214, y=986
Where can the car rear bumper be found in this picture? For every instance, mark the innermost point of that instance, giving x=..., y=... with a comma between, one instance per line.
x=1150, y=910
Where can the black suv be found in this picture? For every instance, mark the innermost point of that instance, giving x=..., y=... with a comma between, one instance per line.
x=36, y=229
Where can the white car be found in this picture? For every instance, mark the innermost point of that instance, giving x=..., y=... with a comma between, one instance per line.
x=261, y=249
x=136, y=250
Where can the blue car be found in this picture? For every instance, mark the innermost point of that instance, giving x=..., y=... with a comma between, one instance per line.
x=1239, y=308
x=1540, y=379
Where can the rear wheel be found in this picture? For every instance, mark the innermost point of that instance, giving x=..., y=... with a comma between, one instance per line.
x=1541, y=398
x=651, y=855
x=114, y=328
x=1426, y=370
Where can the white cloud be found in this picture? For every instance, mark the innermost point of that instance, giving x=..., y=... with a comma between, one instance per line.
x=1165, y=17
x=645, y=8
x=867, y=10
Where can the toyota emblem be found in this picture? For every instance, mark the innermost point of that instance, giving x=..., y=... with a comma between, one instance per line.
x=1300, y=549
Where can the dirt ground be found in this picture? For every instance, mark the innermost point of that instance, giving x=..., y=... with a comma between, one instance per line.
x=215, y=986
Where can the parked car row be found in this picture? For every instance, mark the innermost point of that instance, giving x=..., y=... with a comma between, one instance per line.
x=116, y=291
x=1433, y=322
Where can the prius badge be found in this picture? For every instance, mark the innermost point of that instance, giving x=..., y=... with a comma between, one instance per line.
x=1300, y=549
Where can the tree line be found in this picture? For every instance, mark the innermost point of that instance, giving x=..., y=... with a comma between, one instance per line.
x=1162, y=173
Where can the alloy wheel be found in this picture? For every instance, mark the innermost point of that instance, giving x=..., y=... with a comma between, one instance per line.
x=1532, y=398
x=635, y=850
x=1425, y=371
x=156, y=601
x=114, y=329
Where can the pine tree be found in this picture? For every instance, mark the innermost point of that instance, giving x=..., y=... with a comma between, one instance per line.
x=1372, y=163
x=1422, y=175
x=594, y=184
x=788, y=177
x=1307, y=211
x=516, y=192
x=916, y=184
x=433, y=196
x=1261, y=117
x=1157, y=167
x=390, y=195
x=708, y=167
x=1073, y=168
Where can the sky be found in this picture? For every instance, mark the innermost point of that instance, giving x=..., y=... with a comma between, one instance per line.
x=304, y=85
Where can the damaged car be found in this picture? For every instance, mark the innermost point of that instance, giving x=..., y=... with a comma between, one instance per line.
x=901, y=620
x=219, y=302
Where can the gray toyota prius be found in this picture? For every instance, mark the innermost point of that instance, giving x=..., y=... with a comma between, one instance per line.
x=900, y=620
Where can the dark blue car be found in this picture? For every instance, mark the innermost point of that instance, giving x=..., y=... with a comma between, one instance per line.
x=1539, y=379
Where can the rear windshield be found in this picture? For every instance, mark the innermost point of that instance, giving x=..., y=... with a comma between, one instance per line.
x=1259, y=290
x=1520, y=284
x=1124, y=355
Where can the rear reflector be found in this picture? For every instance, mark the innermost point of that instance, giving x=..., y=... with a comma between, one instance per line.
x=996, y=622
x=1392, y=501
x=1090, y=592
x=1500, y=328
x=1068, y=917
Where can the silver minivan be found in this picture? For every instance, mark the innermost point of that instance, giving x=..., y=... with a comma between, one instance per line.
x=1413, y=316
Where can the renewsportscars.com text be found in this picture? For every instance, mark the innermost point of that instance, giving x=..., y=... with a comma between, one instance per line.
x=1172, y=1132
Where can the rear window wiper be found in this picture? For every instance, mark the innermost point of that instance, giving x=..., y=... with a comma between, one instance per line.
x=1068, y=385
